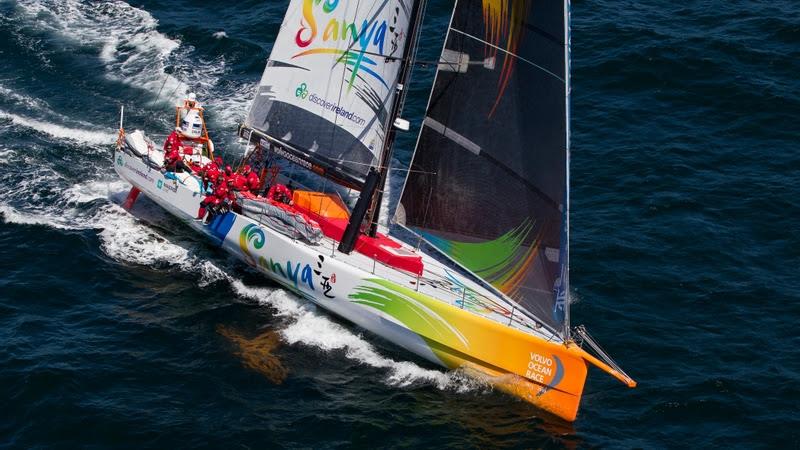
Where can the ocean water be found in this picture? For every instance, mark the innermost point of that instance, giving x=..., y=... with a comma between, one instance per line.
x=128, y=329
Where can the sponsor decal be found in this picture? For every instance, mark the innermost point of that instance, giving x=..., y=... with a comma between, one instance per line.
x=252, y=239
x=545, y=370
x=301, y=91
x=139, y=172
x=120, y=161
x=327, y=281
x=335, y=108
x=291, y=157
x=328, y=33
x=296, y=273
x=160, y=184
x=251, y=235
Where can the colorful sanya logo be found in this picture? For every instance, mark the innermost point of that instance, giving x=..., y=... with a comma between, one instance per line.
x=160, y=184
x=301, y=91
x=251, y=235
x=370, y=38
x=545, y=370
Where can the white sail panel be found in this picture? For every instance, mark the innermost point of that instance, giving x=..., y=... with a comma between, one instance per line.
x=330, y=81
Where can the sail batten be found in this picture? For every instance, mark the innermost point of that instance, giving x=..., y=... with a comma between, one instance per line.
x=488, y=181
x=329, y=83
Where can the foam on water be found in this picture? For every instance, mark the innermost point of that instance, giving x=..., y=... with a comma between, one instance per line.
x=309, y=328
x=6, y=156
x=92, y=137
x=230, y=108
x=132, y=50
x=29, y=103
x=136, y=53
x=123, y=237
x=125, y=38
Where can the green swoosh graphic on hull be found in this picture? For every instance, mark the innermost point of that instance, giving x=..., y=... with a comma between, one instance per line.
x=409, y=310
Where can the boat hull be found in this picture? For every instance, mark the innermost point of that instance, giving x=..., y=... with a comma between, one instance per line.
x=550, y=375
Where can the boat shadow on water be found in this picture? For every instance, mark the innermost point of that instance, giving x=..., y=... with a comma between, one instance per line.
x=258, y=353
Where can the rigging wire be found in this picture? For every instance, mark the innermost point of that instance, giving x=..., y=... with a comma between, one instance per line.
x=166, y=77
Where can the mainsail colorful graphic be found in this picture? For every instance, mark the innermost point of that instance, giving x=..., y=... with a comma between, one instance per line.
x=489, y=175
x=505, y=23
x=329, y=84
x=502, y=262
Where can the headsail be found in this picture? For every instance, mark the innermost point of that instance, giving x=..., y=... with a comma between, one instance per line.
x=488, y=183
x=329, y=83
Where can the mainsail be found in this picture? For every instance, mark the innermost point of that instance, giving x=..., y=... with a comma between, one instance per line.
x=488, y=185
x=328, y=87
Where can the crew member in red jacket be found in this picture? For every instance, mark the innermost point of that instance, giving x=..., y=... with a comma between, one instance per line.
x=253, y=181
x=173, y=142
x=218, y=202
x=280, y=193
x=240, y=180
x=210, y=172
x=173, y=162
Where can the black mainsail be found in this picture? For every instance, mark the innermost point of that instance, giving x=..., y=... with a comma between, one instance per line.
x=488, y=184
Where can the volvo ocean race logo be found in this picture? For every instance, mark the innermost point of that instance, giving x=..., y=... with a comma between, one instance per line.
x=251, y=235
x=544, y=370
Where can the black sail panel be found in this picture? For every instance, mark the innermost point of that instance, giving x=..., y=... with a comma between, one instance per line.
x=488, y=179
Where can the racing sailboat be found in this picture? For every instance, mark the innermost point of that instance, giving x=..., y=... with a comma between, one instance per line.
x=472, y=272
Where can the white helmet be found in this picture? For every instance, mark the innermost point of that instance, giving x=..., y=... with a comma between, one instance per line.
x=192, y=97
x=192, y=125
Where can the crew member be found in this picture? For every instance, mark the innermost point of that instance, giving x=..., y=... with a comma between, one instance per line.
x=253, y=181
x=173, y=142
x=240, y=180
x=280, y=193
x=173, y=162
x=227, y=176
x=217, y=201
x=224, y=191
x=210, y=172
x=191, y=101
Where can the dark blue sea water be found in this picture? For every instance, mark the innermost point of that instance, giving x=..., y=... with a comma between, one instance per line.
x=120, y=329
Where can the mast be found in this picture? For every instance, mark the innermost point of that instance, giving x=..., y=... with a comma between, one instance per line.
x=567, y=70
x=409, y=55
